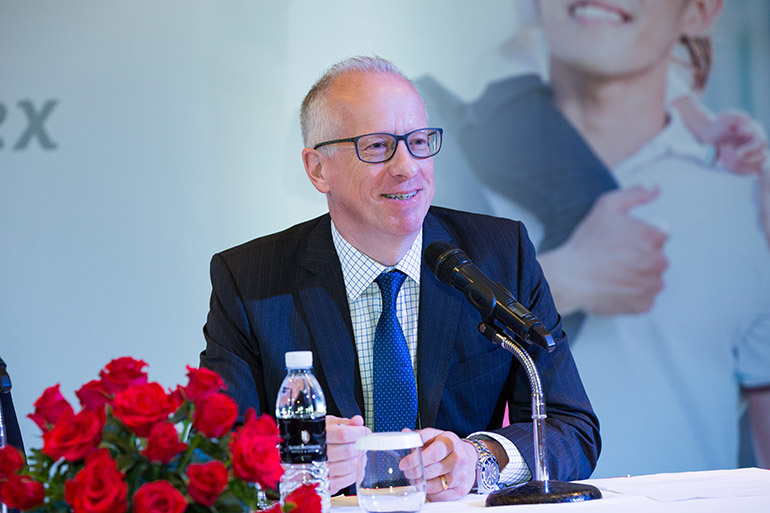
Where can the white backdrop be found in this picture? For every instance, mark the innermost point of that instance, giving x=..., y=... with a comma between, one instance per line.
x=174, y=135
x=138, y=138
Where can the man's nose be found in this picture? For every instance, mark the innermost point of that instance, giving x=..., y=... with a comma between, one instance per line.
x=403, y=163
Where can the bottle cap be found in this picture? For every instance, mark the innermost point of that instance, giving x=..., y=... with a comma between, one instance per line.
x=389, y=441
x=299, y=359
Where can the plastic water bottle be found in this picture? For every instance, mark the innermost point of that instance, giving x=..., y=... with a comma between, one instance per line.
x=301, y=413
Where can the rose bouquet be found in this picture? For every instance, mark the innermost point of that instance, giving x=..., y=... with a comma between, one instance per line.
x=134, y=447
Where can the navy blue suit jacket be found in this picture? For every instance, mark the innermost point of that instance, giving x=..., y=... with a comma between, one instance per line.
x=10, y=422
x=285, y=292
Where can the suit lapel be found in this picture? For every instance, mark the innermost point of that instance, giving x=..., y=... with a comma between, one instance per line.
x=439, y=318
x=322, y=296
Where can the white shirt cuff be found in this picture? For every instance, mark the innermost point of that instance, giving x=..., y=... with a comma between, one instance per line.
x=516, y=471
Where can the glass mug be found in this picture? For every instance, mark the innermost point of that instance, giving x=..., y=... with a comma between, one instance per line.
x=381, y=486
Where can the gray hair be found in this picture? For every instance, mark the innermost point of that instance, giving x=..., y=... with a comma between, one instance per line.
x=316, y=119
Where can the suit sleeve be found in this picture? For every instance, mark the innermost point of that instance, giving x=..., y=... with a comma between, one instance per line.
x=231, y=347
x=11, y=422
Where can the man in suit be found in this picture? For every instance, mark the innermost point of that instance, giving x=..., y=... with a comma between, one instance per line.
x=315, y=287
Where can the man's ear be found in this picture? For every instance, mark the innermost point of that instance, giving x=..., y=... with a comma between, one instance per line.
x=313, y=161
x=700, y=15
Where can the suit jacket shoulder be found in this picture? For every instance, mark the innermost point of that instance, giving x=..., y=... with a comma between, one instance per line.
x=278, y=293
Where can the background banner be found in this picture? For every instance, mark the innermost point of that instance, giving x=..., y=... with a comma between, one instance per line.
x=139, y=138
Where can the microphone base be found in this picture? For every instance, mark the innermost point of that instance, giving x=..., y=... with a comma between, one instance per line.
x=543, y=492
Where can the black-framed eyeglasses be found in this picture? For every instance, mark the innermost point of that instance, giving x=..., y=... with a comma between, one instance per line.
x=380, y=147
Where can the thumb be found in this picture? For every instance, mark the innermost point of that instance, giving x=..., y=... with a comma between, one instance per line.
x=428, y=434
x=356, y=420
x=627, y=199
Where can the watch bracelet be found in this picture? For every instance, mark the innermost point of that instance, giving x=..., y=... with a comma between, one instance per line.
x=481, y=450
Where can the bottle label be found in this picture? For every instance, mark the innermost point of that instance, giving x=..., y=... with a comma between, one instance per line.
x=304, y=440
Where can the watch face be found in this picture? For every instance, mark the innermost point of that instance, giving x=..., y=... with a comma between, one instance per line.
x=489, y=474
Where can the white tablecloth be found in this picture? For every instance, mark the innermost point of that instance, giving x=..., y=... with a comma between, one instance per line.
x=744, y=490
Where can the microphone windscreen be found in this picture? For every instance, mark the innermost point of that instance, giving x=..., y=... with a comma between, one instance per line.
x=442, y=258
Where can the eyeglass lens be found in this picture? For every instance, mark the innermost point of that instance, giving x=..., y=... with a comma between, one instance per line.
x=375, y=148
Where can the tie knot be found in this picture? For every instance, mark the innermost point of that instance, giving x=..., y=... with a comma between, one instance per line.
x=390, y=283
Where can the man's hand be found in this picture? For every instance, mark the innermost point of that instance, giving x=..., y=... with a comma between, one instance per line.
x=613, y=262
x=443, y=454
x=740, y=141
x=341, y=436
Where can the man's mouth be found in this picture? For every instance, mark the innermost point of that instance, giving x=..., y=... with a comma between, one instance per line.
x=590, y=11
x=401, y=197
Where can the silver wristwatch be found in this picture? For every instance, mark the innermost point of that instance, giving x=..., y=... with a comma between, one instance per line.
x=487, y=468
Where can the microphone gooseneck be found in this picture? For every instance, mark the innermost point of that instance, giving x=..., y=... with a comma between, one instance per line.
x=453, y=267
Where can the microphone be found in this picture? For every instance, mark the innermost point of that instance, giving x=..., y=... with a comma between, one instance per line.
x=453, y=267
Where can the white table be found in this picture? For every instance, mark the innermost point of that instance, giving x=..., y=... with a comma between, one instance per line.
x=744, y=490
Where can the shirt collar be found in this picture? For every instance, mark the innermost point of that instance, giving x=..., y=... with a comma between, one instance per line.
x=359, y=271
x=674, y=139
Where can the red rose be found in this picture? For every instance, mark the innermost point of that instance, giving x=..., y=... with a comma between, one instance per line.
x=140, y=407
x=22, y=492
x=74, y=436
x=176, y=396
x=202, y=383
x=49, y=407
x=215, y=415
x=163, y=443
x=207, y=481
x=255, y=451
x=305, y=499
x=93, y=395
x=99, y=487
x=158, y=497
x=122, y=373
x=11, y=461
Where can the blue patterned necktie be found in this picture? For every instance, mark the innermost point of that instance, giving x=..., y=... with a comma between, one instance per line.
x=395, y=392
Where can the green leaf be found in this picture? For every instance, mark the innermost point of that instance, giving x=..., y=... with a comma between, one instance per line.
x=229, y=502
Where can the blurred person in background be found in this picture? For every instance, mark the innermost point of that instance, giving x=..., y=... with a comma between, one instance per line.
x=644, y=231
